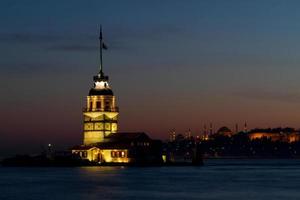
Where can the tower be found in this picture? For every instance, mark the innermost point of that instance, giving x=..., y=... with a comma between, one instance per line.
x=101, y=112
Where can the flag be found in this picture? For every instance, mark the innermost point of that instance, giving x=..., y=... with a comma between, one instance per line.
x=104, y=46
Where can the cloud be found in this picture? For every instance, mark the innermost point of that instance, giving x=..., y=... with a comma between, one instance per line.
x=52, y=42
x=27, y=68
x=33, y=68
x=29, y=38
x=145, y=33
x=258, y=94
x=73, y=47
x=117, y=38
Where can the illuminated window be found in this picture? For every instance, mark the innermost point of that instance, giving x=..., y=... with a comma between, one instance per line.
x=98, y=104
x=113, y=154
x=118, y=154
x=107, y=104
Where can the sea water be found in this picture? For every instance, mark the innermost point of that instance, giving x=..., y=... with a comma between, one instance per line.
x=216, y=180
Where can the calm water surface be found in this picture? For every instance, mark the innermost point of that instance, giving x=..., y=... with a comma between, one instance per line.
x=218, y=179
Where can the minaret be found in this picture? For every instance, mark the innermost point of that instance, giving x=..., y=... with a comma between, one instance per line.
x=205, y=131
x=188, y=134
x=245, y=127
x=236, y=128
x=101, y=112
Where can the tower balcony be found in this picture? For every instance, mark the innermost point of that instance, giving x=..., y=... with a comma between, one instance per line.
x=115, y=109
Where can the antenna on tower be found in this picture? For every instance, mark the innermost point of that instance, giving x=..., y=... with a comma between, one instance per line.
x=102, y=46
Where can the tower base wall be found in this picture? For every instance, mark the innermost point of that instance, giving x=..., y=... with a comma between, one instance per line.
x=92, y=137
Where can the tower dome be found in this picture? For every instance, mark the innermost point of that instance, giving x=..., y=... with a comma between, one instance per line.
x=101, y=86
x=95, y=92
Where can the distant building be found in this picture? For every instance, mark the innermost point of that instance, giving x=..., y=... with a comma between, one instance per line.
x=172, y=136
x=277, y=134
x=188, y=134
x=225, y=131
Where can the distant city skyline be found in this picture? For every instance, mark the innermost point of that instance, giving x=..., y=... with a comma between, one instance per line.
x=172, y=65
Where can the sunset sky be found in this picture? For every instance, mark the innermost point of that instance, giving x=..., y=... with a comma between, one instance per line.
x=172, y=65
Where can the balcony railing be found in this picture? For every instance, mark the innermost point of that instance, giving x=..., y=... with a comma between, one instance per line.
x=115, y=109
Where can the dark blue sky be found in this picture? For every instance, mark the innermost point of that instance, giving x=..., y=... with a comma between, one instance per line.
x=172, y=64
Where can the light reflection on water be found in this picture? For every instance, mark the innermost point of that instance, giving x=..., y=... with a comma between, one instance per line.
x=218, y=179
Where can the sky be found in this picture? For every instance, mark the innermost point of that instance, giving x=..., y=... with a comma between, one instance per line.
x=172, y=65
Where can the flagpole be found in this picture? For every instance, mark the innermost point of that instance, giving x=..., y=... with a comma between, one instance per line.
x=101, y=64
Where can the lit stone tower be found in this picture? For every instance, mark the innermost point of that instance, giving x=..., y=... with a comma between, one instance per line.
x=101, y=112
